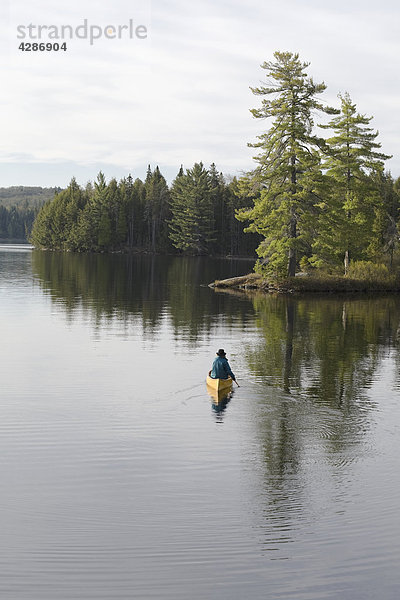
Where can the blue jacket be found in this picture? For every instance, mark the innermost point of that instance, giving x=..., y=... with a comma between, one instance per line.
x=221, y=369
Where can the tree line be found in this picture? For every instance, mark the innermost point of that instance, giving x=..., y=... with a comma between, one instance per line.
x=23, y=196
x=195, y=215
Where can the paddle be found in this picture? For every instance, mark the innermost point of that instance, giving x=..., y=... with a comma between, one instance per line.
x=236, y=382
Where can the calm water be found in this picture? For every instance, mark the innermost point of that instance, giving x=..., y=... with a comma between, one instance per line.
x=122, y=479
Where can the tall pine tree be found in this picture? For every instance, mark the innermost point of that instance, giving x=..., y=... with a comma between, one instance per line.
x=289, y=162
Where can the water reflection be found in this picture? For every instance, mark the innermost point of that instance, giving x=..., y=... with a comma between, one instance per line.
x=314, y=367
x=324, y=354
x=326, y=349
x=219, y=401
x=119, y=287
x=321, y=352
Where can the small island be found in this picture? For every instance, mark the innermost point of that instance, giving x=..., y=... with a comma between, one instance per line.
x=307, y=283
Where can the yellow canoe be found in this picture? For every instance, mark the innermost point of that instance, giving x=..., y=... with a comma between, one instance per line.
x=219, y=385
x=219, y=398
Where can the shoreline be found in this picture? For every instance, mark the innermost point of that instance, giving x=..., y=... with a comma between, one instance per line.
x=142, y=251
x=253, y=282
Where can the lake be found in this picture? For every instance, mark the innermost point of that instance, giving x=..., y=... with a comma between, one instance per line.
x=121, y=478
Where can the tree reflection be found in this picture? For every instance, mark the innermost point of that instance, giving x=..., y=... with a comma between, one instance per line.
x=316, y=361
x=325, y=348
x=142, y=288
x=325, y=353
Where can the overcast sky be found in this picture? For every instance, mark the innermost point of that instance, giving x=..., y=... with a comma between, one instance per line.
x=181, y=95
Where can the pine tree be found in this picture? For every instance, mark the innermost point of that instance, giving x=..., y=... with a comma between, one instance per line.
x=117, y=215
x=104, y=234
x=220, y=210
x=192, y=222
x=132, y=198
x=352, y=202
x=156, y=212
x=56, y=221
x=88, y=228
x=289, y=162
x=40, y=235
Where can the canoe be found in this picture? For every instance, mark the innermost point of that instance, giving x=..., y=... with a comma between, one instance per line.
x=219, y=385
x=220, y=398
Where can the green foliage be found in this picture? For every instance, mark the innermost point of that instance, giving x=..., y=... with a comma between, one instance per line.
x=16, y=222
x=316, y=202
x=238, y=240
x=203, y=208
x=156, y=210
x=385, y=238
x=136, y=215
x=192, y=223
x=289, y=163
x=19, y=206
x=56, y=224
x=366, y=270
x=132, y=205
x=305, y=265
x=351, y=205
x=310, y=203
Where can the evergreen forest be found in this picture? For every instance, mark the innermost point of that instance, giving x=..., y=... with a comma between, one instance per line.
x=195, y=215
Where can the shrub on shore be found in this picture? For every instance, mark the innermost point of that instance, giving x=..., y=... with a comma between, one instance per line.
x=363, y=276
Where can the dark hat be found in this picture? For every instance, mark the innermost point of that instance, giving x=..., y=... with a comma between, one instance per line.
x=221, y=352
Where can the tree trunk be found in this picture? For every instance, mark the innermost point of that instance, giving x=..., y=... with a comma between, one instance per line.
x=293, y=222
x=153, y=235
x=346, y=262
x=131, y=232
x=292, y=251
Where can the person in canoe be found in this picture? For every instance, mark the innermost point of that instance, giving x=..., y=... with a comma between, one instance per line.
x=220, y=368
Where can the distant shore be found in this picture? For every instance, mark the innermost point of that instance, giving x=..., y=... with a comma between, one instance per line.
x=304, y=283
